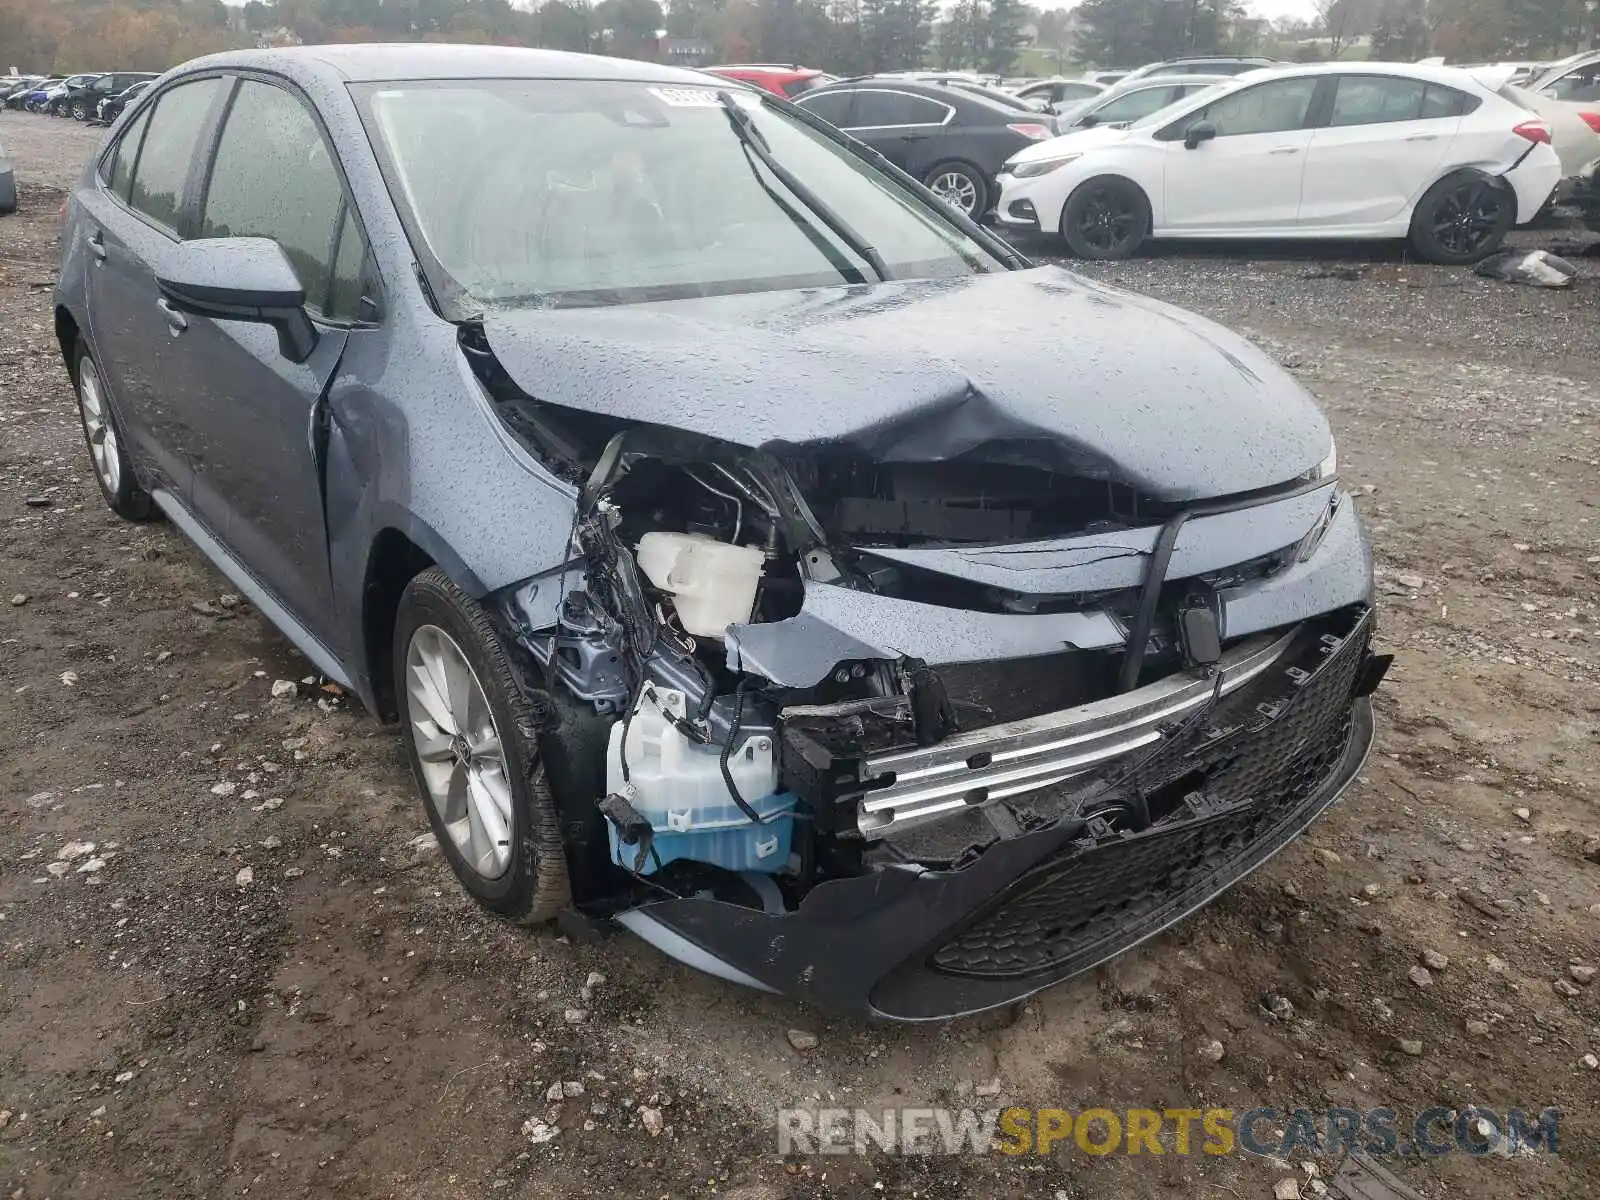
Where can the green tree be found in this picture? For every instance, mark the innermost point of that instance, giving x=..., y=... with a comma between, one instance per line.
x=1002, y=34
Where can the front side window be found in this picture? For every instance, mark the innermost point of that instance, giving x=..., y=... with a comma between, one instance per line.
x=1275, y=107
x=590, y=192
x=1135, y=105
x=273, y=177
x=832, y=107
x=169, y=148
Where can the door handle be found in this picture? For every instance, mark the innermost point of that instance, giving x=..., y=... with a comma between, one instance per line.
x=913, y=137
x=176, y=321
x=97, y=245
x=1286, y=150
x=1423, y=137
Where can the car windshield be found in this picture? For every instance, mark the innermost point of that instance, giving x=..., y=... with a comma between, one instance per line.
x=1204, y=97
x=566, y=193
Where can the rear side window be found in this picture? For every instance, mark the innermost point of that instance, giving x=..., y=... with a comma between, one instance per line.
x=273, y=177
x=169, y=149
x=832, y=107
x=895, y=108
x=127, y=153
x=1381, y=100
x=1582, y=85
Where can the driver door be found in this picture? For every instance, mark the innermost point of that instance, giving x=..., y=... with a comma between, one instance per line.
x=1248, y=178
x=259, y=421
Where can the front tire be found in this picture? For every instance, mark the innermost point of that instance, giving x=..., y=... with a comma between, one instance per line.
x=1106, y=219
x=108, y=448
x=1462, y=219
x=80, y=112
x=962, y=187
x=471, y=738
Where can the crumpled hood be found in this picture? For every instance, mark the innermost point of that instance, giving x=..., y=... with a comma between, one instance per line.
x=1097, y=380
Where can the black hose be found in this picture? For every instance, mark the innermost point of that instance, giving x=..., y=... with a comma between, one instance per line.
x=1155, y=575
x=727, y=753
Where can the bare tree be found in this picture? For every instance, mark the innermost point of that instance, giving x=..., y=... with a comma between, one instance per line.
x=1342, y=21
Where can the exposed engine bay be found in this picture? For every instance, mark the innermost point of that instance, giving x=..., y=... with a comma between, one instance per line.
x=778, y=670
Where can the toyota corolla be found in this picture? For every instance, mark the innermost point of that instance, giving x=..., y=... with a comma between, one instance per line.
x=755, y=553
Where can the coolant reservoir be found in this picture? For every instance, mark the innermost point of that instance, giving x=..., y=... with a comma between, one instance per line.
x=677, y=785
x=713, y=584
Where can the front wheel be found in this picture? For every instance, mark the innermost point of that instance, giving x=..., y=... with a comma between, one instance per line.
x=471, y=736
x=961, y=187
x=107, y=447
x=80, y=112
x=1462, y=219
x=1106, y=219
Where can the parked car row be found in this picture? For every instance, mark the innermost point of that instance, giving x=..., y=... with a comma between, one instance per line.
x=1449, y=159
x=96, y=96
x=1435, y=155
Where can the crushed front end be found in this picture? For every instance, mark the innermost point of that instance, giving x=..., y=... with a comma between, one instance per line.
x=917, y=739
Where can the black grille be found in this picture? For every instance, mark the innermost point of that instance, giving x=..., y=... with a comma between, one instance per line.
x=1253, y=764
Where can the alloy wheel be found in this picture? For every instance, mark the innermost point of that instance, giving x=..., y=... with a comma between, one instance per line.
x=957, y=189
x=102, y=435
x=458, y=745
x=1467, y=216
x=1108, y=220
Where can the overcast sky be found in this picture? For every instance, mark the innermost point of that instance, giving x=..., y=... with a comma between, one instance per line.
x=1271, y=9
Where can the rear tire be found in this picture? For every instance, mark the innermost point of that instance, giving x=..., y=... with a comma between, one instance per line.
x=1462, y=219
x=108, y=447
x=1106, y=219
x=960, y=186
x=475, y=754
x=80, y=111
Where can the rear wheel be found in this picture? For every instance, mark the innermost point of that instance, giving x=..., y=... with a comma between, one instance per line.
x=1463, y=218
x=1106, y=219
x=471, y=737
x=107, y=447
x=960, y=186
x=80, y=111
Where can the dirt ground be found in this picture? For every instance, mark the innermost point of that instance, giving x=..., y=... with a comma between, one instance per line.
x=341, y=1022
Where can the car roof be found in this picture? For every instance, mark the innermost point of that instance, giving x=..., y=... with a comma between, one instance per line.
x=1456, y=77
x=375, y=62
x=1153, y=81
x=951, y=93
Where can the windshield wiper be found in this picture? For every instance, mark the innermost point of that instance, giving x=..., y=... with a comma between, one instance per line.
x=745, y=129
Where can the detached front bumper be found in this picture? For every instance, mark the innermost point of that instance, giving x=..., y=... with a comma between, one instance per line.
x=1106, y=859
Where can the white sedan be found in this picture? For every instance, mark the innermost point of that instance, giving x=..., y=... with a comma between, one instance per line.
x=1330, y=150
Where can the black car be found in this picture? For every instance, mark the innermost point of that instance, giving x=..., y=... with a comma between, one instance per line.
x=951, y=138
x=111, y=107
x=80, y=103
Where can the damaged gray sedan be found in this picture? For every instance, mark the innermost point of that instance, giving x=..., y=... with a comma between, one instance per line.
x=755, y=553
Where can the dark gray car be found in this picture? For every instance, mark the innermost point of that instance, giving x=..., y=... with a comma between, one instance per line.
x=755, y=553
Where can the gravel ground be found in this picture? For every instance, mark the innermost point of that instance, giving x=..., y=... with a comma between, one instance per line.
x=243, y=996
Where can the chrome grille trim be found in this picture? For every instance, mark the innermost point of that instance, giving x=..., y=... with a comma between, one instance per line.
x=1038, y=752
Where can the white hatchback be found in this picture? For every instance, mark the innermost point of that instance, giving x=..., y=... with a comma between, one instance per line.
x=1330, y=150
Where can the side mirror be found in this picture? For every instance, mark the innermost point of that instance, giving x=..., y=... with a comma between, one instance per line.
x=240, y=279
x=1200, y=131
x=1088, y=121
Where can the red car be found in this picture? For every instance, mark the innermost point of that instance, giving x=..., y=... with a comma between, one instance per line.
x=783, y=79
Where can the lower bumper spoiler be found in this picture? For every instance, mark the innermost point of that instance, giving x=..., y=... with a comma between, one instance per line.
x=909, y=943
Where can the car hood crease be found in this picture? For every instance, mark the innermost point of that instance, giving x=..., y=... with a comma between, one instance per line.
x=1037, y=365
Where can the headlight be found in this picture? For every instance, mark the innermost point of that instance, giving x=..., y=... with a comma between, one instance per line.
x=1327, y=468
x=1038, y=166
